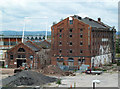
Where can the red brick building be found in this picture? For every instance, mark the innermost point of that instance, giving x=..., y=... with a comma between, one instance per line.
x=7, y=42
x=29, y=53
x=76, y=41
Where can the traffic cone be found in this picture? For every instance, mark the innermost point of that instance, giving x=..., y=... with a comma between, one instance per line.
x=71, y=86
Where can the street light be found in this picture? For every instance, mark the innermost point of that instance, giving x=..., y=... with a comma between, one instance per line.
x=94, y=82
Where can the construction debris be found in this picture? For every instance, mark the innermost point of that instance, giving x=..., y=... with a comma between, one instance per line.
x=27, y=77
x=52, y=69
x=69, y=73
x=55, y=70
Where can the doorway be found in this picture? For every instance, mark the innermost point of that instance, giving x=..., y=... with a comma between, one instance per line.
x=20, y=61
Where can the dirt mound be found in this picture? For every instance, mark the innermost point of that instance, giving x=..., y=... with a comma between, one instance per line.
x=27, y=78
x=52, y=69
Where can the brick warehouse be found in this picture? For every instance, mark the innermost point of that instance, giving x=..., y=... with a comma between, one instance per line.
x=76, y=41
x=29, y=53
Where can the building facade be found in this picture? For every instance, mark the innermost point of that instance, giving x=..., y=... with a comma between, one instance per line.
x=29, y=53
x=77, y=41
x=7, y=42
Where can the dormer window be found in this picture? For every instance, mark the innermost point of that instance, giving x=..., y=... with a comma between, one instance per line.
x=71, y=21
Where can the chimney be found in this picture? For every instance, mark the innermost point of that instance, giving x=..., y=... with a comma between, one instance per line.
x=99, y=19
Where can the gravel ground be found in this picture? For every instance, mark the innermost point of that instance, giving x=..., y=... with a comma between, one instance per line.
x=84, y=80
x=29, y=78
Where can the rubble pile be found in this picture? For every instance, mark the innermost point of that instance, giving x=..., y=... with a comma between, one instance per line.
x=55, y=70
x=52, y=69
x=69, y=73
x=112, y=67
x=27, y=77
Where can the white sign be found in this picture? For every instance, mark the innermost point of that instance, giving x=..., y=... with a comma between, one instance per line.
x=104, y=39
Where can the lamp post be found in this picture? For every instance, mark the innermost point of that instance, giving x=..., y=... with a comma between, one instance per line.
x=94, y=83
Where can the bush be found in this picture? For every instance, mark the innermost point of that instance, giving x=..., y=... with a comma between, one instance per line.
x=104, y=70
x=58, y=81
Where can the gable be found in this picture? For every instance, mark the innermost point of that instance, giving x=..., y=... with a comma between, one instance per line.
x=21, y=45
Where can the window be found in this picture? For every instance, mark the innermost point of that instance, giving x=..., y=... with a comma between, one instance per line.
x=31, y=57
x=81, y=51
x=71, y=21
x=79, y=61
x=83, y=61
x=70, y=30
x=81, y=36
x=23, y=56
x=60, y=43
x=60, y=36
x=12, y=43
x=70, y=50
x=81, y=29
x=11, y=57
x=81, y=43
x=60, y=50
x=70, y=35
x=60, y=30
x=21, y=50
x=70, y=43
x=70, y=62
x=6, y=43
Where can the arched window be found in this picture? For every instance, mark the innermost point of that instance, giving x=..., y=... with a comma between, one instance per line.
x=21, y=50
x=70, y=62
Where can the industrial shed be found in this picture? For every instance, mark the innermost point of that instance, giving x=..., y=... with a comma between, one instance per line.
x=29, y=53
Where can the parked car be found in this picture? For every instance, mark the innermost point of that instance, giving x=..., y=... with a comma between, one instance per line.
x=90, y=71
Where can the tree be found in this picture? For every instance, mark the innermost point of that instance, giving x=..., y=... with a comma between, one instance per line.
x=118, y=45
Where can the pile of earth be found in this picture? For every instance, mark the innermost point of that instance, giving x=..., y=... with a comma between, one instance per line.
x=52, y=69
x=55, y=70
x=27, y=78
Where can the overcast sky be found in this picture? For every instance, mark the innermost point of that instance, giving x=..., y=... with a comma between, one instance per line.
x=39, y=14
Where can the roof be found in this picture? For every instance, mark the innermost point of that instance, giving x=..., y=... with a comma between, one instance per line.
x=31, y=45
x=44, y=44
x=92, y=22
x=10, y=36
